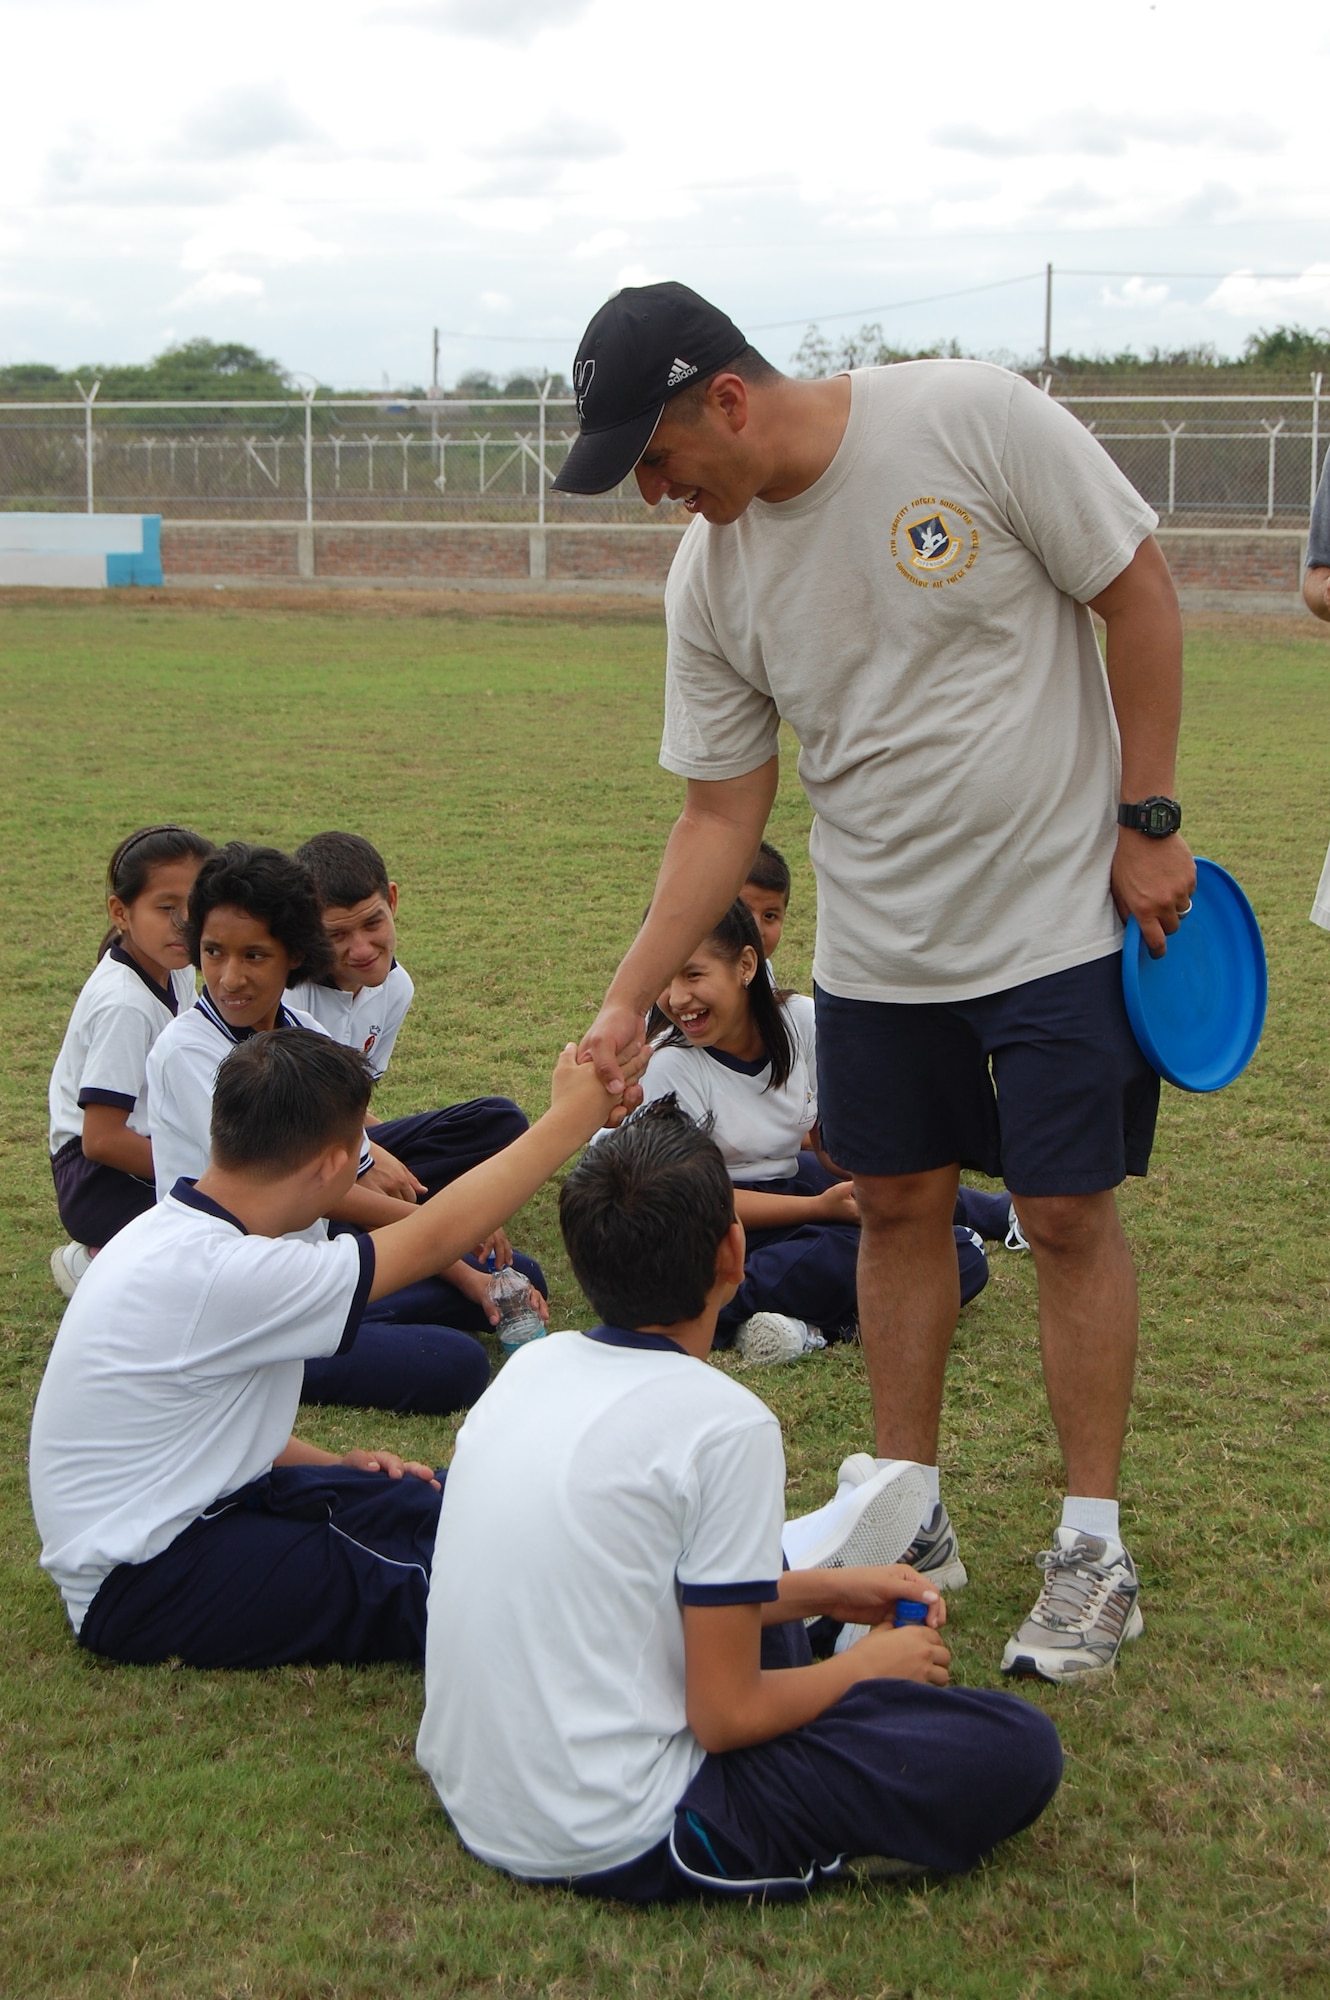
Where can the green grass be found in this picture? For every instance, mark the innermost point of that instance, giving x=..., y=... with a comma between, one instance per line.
x=170, y=1833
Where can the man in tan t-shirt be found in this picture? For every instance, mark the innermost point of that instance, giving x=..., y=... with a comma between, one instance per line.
x=901, y=563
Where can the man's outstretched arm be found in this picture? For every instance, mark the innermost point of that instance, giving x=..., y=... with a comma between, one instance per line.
x=706, y=863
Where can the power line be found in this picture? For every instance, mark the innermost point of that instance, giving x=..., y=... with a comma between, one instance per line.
x=1071, y=271
x=776, y=325
x=901, y=305
x=898, y=305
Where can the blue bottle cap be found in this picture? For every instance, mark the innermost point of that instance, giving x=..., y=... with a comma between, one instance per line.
x=909, y=1611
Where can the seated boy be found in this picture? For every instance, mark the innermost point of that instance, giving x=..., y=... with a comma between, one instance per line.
x=991, y=1217
x=619, y=1693
x=178, y=1515
x=363, y=1001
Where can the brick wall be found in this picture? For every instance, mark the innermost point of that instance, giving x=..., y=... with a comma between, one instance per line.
x=1233, y=560
x=632, y=559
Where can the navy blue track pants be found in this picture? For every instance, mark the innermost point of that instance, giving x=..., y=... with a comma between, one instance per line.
x=312, y=1563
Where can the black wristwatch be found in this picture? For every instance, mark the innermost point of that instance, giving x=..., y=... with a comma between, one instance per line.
x=1156, y=818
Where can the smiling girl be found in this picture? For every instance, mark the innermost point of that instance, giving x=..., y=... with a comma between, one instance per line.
x=101, y=1157
x=742, y=1054
x=254, y=924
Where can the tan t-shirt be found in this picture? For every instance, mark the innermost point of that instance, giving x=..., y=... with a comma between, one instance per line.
x=918, y=617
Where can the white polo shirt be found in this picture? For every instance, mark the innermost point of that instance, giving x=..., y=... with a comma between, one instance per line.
x=103, y=1058
x=918, y=617
x=175, y=1377
x=759, y=1131
x=367, y=1020
x=603, y=1481
x=182, y=1070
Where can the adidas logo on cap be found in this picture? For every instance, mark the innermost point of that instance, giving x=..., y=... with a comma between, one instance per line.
x=679, y=372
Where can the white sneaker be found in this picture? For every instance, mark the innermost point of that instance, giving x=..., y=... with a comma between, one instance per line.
x=770, y=1337
x=869, y=1523
x=68, y=1264
x=933, y=1549
x=1087, y=1609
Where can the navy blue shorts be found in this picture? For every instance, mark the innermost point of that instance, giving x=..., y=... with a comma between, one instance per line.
x=933, y=1777
x=1043, y=1086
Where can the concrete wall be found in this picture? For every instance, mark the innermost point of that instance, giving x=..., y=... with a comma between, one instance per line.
x=1246, y=569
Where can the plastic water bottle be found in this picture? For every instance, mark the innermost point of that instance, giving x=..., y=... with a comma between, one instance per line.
x=510, y=1295
x=909, y=1611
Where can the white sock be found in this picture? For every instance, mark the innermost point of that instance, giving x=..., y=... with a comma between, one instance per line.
x=1091, y=1517
x=933, y=1479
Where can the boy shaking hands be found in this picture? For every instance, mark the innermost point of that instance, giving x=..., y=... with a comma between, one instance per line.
x=619, y=1692
x=178, y=1515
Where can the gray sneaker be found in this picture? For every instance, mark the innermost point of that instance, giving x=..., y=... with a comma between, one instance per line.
x=1086, y=1609
x=933, y=1552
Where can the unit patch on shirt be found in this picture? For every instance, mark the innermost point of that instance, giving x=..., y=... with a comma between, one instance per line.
x=939, y=545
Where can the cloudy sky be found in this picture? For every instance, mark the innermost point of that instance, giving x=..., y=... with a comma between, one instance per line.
x=332, y=182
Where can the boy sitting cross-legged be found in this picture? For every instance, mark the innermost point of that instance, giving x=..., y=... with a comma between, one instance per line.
x=178, y=1515
x=362, y=1001
x=619, y=1693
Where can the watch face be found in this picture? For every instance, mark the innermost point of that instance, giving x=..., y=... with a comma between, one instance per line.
x=1161, y=816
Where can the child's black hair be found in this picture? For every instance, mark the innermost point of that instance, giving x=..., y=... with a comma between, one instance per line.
x=269, y=885
x=130, y=868
x=736, y=929
x=344, y=868
x=643, y=1214
x=281, y=1097
x=770, y=870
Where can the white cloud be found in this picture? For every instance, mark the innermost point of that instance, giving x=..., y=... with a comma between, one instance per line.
x=1110, y=134
x=637, y=274
x=496, y=302
x=245, y=118
x=215, y=286
x=517, y=21
x=255, y=234
x=1246, y=296
x=603, y=244
x=1135, y=292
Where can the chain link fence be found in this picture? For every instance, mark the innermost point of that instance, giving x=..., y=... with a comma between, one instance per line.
x=1216, y=461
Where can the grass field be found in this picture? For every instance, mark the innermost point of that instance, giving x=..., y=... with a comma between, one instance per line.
x=171, y=1833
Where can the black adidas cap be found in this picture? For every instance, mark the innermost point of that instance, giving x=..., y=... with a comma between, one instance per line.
x=644, y=345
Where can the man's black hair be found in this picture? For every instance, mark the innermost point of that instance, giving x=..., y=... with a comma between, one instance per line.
x=345, y=868
x=643, y=1214
x=737, y=931
x=269, y=885
x=280, y=1098
x=748, y=365
x=770, y=870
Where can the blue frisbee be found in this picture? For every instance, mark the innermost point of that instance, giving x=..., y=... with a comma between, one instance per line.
x=1197, y=1012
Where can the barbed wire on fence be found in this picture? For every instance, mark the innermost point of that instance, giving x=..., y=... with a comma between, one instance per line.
x=1203, y=460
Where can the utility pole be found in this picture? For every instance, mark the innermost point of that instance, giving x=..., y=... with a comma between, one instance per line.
x=1048, y=315
x=434, y=379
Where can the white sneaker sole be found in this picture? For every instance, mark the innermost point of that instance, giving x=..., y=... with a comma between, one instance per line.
x=878, y=1522
x=1038, y=1663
